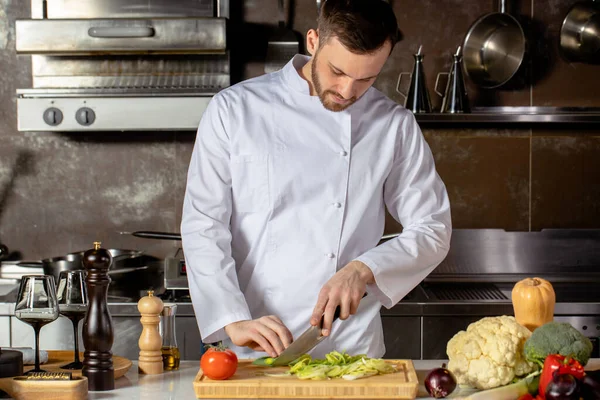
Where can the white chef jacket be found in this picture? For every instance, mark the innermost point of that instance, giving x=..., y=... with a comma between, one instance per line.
x=282, y=193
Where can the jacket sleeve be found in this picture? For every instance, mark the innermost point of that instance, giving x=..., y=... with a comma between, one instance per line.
x=416, y=197
x=206, y=238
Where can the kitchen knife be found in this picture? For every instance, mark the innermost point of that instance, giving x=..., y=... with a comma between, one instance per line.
x=305, y=342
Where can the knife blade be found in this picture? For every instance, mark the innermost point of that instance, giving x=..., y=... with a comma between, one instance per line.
x=305, y=342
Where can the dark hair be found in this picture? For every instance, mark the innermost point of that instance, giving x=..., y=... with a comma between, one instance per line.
x=362, y=26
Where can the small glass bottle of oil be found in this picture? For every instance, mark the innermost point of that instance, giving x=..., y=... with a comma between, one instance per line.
x=170, y=351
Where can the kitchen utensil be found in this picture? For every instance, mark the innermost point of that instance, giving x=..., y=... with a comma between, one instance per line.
x=417, y=98
x=305, y=342
x=154, y=235
x=283, y=44
x=250, y=382
x=493, y=49
x=97, y=333
x=37, y=306
x=580, y=32
x=72, y=261
x=455, y=98
x=73, y=304
x=150, y=361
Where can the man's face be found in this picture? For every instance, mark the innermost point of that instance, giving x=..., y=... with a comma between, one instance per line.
x=340, y=77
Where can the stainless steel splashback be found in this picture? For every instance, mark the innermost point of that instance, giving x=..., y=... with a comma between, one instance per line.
x=495, y=255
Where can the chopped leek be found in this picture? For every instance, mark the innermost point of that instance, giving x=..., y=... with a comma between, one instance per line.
x=339, y=365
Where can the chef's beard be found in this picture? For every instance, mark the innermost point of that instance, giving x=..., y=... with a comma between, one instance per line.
x=324, y=94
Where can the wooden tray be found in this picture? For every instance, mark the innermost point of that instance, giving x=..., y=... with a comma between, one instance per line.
x=21, y=389
x=56, y=358
x=249, y=382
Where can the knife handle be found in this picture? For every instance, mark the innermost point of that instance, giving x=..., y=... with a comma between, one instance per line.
x=337, y=312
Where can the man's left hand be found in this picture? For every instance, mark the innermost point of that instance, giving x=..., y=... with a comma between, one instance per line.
x=344, y=289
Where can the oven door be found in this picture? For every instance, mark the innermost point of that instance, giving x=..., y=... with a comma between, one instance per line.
x=199, y=35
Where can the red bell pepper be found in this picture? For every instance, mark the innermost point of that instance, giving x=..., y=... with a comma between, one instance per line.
x=562, y=364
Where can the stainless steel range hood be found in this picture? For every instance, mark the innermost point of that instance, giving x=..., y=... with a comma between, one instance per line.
x=122, y=65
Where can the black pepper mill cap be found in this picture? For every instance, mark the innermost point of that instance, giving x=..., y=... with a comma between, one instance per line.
x=97, y=258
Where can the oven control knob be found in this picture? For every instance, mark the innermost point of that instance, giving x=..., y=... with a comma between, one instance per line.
x=53, y=116
x=85, y=116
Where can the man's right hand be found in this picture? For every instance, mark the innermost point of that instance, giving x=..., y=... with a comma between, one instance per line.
x=266, y=334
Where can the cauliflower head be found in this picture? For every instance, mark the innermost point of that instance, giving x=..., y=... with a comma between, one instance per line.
x=489, y=353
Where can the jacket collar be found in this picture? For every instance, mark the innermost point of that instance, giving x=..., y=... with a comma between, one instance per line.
x=292, y=77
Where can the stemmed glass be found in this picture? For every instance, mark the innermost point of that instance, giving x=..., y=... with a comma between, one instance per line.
x=37, y=306
x=73, y=304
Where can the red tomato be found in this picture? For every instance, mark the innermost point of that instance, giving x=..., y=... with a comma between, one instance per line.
x=218, y=363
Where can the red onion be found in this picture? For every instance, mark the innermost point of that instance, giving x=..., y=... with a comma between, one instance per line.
x=440, y=382
x=562, y=387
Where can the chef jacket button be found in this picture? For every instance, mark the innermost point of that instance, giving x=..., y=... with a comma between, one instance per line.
x=343, y=153
x=330, y=255
x=337, y=205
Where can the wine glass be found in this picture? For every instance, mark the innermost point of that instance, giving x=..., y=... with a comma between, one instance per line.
x=73, y=303
x=37, y=306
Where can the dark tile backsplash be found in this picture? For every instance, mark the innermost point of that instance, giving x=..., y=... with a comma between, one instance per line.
x=59, y=192
x=565, y=188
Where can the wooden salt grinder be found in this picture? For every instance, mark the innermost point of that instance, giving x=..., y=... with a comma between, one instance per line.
x=150, y=359
x=97, y=332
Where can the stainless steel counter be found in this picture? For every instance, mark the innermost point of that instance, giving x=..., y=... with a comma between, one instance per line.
x=515, y=115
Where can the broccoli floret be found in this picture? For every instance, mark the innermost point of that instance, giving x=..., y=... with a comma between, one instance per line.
x=557, y=338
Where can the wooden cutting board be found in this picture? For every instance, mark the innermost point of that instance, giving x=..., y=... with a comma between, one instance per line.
x=249, y=382
x=22, y=389
x=75, y=389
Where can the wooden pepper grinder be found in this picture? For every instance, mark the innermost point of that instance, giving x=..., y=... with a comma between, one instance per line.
x=97, y=326
x=150, y=359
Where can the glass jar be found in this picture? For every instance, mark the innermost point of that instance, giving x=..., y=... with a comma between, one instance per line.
x=170, y=352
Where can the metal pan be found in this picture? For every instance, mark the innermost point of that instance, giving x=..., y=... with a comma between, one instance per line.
x=580, y=32
x=493, y=49
x=73, y=261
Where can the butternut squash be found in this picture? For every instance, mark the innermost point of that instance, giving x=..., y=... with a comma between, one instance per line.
x=533, y=301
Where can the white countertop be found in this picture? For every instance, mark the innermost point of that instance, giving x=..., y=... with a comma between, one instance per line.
x=178, y=384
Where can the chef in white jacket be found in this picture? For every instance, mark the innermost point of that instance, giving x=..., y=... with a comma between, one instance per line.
x=286, y=194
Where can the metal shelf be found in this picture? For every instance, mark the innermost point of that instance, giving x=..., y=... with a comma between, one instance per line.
x=514, y=115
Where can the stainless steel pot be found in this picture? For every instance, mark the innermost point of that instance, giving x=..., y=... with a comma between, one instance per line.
x=580, y=32
x=72, y=261
x=493, y=49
